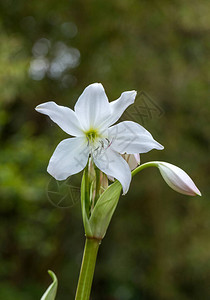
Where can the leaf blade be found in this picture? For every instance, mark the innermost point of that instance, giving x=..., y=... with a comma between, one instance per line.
x=50, y=293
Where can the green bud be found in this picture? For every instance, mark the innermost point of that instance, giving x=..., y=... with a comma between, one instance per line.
x=104, y=209
x=97, y=221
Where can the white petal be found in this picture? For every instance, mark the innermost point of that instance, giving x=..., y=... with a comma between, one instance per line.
x=119, y=106
x=92, y=107
x=133, y=160
x=70, y=157
x=178, y=179
x=62, y=116
x=137, y=158
x=111, y=178
x=130, y=137
x=112, y=164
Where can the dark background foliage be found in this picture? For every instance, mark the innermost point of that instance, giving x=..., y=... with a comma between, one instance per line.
x=158, y=243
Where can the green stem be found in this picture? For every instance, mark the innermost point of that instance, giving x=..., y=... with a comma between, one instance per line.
x=87, y=190
x=97, y=171
x=87, y=269
x=146, y=165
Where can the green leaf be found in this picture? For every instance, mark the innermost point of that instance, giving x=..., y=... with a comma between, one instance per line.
x=50, y=293
x=104, y=209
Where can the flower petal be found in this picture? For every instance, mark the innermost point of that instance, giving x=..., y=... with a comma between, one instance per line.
x=70, y=157
x=130, y=137
x=112, y=164
x=137, y=158
x=62, y=116
x=133, y=160
x=119, y=106
x=92, y=107
x=178, y=179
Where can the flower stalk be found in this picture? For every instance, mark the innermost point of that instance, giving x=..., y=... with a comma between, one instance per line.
x=87, y=269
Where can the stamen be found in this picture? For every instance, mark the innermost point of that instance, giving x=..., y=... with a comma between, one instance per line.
x=96, y=142
x=102, y=143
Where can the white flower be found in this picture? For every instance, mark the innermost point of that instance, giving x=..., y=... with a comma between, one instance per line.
x=90, y=123
x=178, y=179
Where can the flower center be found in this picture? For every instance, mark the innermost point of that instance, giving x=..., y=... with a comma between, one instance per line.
x=91, y=135
x=96, y=142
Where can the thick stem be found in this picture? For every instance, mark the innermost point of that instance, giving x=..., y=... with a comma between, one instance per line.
x=87, y=269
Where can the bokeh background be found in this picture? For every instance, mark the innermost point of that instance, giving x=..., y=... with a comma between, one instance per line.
x=158, y=244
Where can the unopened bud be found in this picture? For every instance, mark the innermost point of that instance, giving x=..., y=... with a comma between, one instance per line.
x=178, y=179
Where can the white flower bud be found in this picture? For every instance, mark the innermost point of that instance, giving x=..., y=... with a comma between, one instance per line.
x=133, y=160
x=178, y=179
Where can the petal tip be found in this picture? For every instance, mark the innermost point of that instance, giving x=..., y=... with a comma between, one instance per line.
x=39, y=108
x=43, y=105
x=194, y=190
x=198, y=193
x=159, y=146
x=124, y=192
x=95, y=84
x=133, y=94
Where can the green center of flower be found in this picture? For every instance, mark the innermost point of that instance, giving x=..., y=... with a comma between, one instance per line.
x=91, y=135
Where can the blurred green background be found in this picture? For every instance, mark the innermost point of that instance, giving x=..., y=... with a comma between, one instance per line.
x=158, y=244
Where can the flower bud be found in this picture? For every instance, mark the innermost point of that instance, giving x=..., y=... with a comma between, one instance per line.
x=133, y=160
x=178, y=179
x=98, y=183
